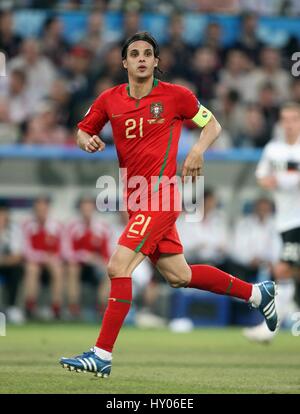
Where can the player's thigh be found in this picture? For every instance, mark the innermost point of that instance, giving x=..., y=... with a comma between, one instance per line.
x=143, y=232
x=55, y=268
x=174, y=268
x=73, y=271
x=33, y=270
x=123, y=261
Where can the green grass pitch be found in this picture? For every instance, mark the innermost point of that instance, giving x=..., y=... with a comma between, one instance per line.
x=149, y=361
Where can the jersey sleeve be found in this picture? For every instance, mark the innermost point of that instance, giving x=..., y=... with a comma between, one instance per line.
x=95, y=118
x=187, y=103
x=30, y=253
x=264, y=167
x=190, y=108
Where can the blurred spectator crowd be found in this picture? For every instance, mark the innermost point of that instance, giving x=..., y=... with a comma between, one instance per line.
x=51, y=83
x=53, y=270
x=267, y=7
x=45, y=264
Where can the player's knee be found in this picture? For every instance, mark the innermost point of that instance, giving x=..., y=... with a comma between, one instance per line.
x=113, y=269
x=116, y=269
x=32, y=270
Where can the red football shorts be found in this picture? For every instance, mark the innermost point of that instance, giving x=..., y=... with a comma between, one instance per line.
x=152, y=233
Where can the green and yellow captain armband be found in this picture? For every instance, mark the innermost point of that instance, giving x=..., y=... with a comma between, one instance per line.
x=202, y=116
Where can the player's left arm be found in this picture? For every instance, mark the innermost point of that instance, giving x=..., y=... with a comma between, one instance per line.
x=211, y=129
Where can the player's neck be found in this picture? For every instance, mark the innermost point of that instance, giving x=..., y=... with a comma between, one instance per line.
x=292, y=139
x=41, y=220
x=87, y=220
x=140, y=88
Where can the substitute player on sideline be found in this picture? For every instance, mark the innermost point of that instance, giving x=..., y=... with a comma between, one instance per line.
x=146, y=117
x=279, y=172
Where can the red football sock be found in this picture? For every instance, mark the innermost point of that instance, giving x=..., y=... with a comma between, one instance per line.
x=118, y=306
x=210, y=278
x=56, y=308
x=30, y=305
x=74, y=309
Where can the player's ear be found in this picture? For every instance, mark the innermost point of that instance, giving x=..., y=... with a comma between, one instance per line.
x=156, y=60
x=125, y=64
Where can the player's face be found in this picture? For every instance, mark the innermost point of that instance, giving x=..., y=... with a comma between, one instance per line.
x=87, y=209
x=140, y=61
x=41, y=209
x=290, y=122
x=263, y=208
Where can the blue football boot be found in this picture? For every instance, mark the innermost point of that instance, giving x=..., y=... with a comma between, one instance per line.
x=267, y=306
x=88, y=362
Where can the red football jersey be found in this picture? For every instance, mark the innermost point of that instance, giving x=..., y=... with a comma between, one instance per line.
x=42, y=240
x=81, y=238
x=146, y=131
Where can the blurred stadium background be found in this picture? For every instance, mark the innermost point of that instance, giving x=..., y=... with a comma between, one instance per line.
x=237, y=57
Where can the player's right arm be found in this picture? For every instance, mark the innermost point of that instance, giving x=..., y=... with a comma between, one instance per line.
x=89, y=143
x=264, y=173
x=89, y=128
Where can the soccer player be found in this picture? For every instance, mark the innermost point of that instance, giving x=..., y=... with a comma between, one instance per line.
x=146, y=116
x=42, y=251
x=279, y=172
x=86, y=248
x=11, y=268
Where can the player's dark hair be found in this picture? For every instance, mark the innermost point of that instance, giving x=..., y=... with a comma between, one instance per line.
x=146, y=37
x=264, y=199
x=42, y=198
x=83, y=199
x=290, y=105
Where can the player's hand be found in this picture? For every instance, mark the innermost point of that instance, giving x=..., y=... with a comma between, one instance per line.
x=94, y=144
x=192, y=166
x=268, y=183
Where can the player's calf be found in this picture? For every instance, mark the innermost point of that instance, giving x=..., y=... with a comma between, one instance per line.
x=176, y=272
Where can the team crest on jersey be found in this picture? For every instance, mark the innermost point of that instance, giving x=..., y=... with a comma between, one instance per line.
x=156, y=109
